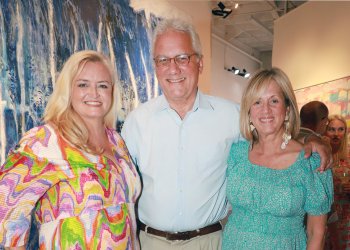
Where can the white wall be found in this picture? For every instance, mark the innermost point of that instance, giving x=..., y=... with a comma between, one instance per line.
x=312, y=43
x=226, y=84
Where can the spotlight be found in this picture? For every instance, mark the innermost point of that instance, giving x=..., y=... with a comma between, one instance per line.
x=222, y=11
x=235, y=70
x=245, y=74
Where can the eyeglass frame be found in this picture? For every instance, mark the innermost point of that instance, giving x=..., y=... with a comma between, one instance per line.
x=169, y=59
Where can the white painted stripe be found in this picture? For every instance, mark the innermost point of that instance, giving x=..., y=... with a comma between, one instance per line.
x=112, y=57
x=99, y=35
x=20, y=66
x=133, y=80
x=148, y=84
x=75, y=29
x=156, y=89
x=2, y=102
x=2, y=130
x=52, y=42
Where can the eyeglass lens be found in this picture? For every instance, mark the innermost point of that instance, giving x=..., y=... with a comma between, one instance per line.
x=180, y=60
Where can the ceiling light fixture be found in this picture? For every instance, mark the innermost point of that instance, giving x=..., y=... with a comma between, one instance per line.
x=237, y=71
x=236, y=5
x=244, y=73
x=221, y=11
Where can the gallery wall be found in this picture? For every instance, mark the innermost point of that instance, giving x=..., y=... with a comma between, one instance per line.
x=311, y=43
x=225, y=83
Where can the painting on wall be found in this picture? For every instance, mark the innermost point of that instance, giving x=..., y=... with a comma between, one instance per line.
x=335, y=94
x=37, y=37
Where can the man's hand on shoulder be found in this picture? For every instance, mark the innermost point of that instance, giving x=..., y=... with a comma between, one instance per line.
x=316, y=144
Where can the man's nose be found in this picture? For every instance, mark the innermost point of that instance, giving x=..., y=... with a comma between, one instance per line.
x=173, y=67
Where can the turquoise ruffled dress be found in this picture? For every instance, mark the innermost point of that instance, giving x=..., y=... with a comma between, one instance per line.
x=268, y=206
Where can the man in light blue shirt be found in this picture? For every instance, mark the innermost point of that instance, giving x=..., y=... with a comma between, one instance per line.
x=180, y=142
x=182, y=161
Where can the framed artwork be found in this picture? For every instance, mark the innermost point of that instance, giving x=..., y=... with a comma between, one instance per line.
x=335, y=94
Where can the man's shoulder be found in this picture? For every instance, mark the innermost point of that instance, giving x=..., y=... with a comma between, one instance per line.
x=147, y=107
x=144, y=111
x=221, y=103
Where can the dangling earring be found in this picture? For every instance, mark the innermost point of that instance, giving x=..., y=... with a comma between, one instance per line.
x=251, y=126
x=286, y=135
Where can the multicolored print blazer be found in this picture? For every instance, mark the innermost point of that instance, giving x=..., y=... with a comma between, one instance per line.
x=80, y=200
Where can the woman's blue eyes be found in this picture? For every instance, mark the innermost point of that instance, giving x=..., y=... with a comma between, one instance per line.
x=84, y=85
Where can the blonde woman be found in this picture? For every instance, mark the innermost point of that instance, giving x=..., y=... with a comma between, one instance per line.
x=339, y=220
x=75, y=171
x=270, y=184
x=337, y=132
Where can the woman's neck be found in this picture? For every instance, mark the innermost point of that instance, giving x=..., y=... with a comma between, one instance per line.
x=97, y=135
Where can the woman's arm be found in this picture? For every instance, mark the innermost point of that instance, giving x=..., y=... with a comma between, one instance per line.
x=316, y=231
x=15, y=248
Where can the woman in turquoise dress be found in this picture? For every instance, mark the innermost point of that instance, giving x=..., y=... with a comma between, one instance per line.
x=270, y=184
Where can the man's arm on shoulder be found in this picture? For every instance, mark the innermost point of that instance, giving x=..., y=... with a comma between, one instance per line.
x=314, y=143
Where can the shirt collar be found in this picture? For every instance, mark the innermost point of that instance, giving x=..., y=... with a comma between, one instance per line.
x=201, y=102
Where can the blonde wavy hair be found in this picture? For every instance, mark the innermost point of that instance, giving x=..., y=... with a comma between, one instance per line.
x=256, y=86
x=343, y=149
x=59, y=111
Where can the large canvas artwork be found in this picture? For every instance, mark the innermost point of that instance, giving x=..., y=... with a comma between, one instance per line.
x=36, y=37
x=335, y=94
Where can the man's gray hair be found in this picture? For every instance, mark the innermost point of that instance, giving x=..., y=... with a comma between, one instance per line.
x=178, y=25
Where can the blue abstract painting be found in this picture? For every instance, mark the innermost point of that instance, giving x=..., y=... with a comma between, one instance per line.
x=37, y=37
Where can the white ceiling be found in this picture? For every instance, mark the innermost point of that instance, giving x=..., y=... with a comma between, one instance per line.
x=250, y=26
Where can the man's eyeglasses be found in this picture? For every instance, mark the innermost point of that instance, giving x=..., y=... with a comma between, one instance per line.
x=180, y=60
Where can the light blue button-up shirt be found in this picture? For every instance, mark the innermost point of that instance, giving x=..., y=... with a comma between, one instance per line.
x=182, y=162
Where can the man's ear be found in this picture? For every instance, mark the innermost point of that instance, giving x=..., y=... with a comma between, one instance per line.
x=200, y=64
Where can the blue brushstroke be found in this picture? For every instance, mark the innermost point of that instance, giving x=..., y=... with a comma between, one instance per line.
x=129, y=32
x=10, y=129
